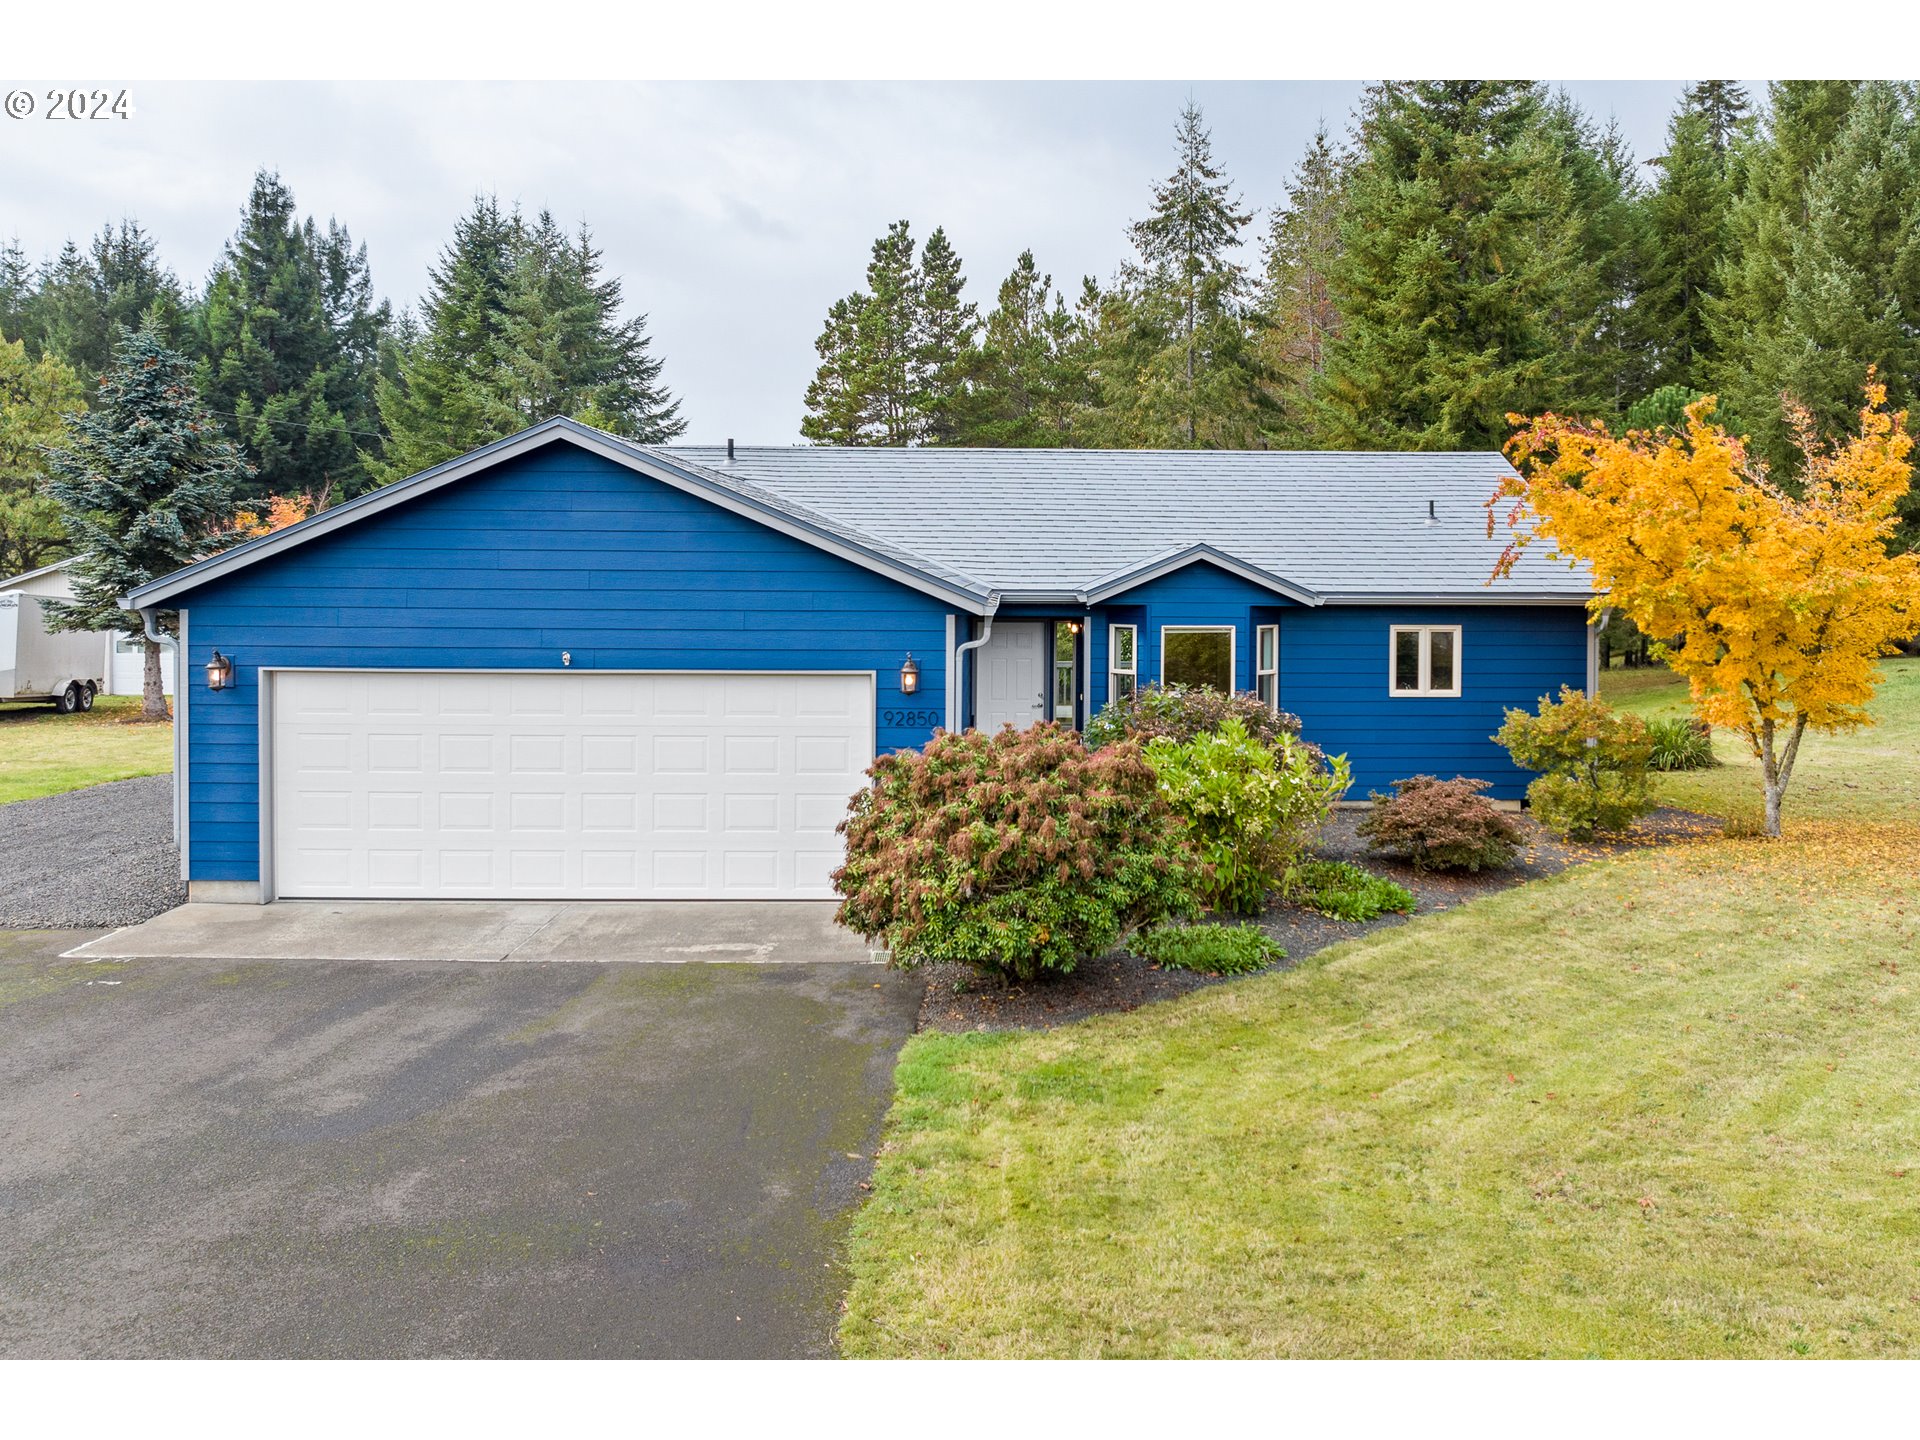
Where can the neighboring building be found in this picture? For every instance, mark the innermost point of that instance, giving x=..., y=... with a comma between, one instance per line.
x=123, y=657
x=570, y=666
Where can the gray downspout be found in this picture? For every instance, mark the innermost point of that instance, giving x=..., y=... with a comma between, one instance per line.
x=153, y=632
x=960, y=662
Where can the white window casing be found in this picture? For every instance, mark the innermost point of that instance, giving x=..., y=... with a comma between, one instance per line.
x=1411, y=651
x=1266, y=665
x=1123, y=661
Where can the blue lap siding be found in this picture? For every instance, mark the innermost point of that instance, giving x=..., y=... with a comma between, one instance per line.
x=558, y=550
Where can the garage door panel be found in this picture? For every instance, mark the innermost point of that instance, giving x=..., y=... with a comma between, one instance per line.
x=550, y=785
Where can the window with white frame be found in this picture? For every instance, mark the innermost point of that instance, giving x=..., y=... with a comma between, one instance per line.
x=1424, y=660
x=1266, y=665
x=1123, y=661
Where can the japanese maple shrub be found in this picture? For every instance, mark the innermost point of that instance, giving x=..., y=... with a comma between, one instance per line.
x=1594, y=762
x=1180, y=712
x=1018, y=853
x=1439, y=824
x=1251, y=807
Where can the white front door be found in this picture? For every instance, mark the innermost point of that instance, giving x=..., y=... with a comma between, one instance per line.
x=582, y=785
x=1011, y=676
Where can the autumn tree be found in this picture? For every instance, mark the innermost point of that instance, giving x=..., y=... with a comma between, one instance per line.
x=38, y=399
x=1775, y=605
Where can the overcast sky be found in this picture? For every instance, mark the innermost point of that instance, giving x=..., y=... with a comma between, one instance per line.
x=735, y=214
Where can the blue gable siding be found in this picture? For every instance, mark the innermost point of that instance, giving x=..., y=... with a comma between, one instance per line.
x=557, y=550
x=1197, y=594
x=1333, y=675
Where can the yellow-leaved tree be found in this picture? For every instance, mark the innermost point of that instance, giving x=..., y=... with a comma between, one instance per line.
x=1773, y=606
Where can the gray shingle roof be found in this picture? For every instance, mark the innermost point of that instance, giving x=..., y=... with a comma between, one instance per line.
x=1343, y=524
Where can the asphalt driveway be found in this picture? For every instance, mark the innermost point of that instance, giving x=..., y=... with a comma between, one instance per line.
x=416, y=1158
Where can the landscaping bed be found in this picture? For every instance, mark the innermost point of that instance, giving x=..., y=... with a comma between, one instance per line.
x=959, y=999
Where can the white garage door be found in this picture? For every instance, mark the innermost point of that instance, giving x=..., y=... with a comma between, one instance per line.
x=589, y=785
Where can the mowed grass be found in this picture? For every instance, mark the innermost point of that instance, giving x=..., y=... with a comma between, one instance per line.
x=42, y=753
x=1863, y=775
x=1661, y=1105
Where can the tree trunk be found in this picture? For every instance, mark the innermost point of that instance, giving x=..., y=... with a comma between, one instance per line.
x=1776, y=769
x=153, y=699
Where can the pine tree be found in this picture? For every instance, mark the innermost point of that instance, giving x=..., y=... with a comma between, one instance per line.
x=16, y=291
x=1852, y=284
x=1030, y=374
x=290, y=339
x=945, y=328
x=433, y=406
x=837, y=397
x=1296, y=300
x=868, y=389
x=144, y=486
x=38, y=399
x=1768, y=171
x=66, y=318
x=1687, y=216
x=1723, y=107
x=1180, y=362
x=1457, y=279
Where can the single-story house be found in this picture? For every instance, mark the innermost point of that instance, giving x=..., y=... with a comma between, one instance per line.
x=568, y=665
x=123, y=657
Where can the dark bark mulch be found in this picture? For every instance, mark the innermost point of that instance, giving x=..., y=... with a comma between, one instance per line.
x=958, y=998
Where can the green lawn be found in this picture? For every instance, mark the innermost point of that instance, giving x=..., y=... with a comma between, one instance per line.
x=42, y=753
x=1664, y=1104
x=1869, y=773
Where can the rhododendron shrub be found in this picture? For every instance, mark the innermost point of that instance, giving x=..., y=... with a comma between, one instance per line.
x=1018, y=853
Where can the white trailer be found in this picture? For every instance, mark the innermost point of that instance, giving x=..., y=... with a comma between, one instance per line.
x=60, y=668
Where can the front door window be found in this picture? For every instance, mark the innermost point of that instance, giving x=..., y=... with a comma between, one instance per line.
x=1066, y=645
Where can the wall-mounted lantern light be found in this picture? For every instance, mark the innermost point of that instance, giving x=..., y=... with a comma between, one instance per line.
x=910, y=675
x=220, y=672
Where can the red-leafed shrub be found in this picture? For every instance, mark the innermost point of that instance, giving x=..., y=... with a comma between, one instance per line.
x=1182, y=713
x=1018, y=853
x=1441, y=825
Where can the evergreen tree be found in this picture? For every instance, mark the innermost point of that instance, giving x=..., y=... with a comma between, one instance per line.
x=65, y=318
x=1180, y=364
x=144, y=486
x=945, y=328
x=433, y=403
x=1687, y=216
x=837, y=406
x=1723, y=107
x=289, y=337
x=1030, y=374
x=1769, y=170
x=135, y=289
x=868, y=389
x=1457, y=279
x=1852, y=284
x=1296, y=300
x=16, y=291
x=38, y=399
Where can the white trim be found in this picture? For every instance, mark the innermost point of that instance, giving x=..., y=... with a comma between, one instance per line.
x=1114, y=671
x=1232, y=632
x=154, y=594
x=1120, y=581
x=1425, y=692
x=1258, y=673
x=182, y=754
x=267, y=674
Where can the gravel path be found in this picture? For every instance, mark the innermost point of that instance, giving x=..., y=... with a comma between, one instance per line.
x=90, y=859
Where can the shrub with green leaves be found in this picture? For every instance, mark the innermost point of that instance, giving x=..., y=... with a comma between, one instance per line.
x=1441, y=825
x=1344, y=891
x=1680, y=743
x=1017, y=853
x=1250, y=807
x=1209, y=949
x=1182, y=712
x=1593, y=763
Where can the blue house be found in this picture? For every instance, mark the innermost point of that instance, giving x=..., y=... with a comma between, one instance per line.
x=566, y=665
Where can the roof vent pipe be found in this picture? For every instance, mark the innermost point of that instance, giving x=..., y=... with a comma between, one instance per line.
x=729, y=449
x=1431, y=514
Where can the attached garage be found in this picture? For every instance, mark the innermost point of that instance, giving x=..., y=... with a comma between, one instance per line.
x=569, y=785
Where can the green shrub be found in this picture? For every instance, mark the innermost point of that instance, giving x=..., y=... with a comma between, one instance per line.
x=1251, y=808
x=1680, y=743
x=1344, y=891
x=1210, y=949
x=1441, y=825
x=1592, y=759
x=1017, y=853
x=1180, y=713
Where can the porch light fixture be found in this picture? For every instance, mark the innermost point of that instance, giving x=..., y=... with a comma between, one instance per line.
x=220, y=672
x=910, y=676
